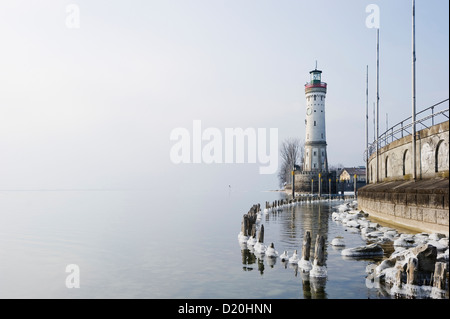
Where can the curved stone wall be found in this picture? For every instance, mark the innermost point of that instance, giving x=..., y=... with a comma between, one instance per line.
x=394, y=162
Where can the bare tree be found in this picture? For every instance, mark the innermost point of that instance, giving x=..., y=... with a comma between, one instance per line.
x=291, y=153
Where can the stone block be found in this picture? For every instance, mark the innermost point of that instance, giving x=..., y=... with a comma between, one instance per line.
x=402, y=198
x=399, y=210
x=442, y=217
x=419, y=212
x=429, y=215
x=411, y=199
x=407, y=212
x=436, y=200
x=422, y=200
x=414, y=213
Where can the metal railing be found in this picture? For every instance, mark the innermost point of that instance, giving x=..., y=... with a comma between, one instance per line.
x=435, y=114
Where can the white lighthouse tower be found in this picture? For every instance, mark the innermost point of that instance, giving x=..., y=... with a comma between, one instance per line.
x=315, y=139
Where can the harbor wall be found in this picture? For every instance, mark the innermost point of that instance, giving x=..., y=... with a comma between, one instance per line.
x=421, y=206
x=396, y=198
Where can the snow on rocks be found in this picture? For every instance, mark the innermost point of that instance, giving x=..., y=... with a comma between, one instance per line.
x=413, y=272
x=338, y=241
x=271, y=252
x=364, y=251
x=284, y=256
x=418, y=265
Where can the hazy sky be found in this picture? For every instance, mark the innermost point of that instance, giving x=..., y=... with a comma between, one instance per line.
x=93, y=107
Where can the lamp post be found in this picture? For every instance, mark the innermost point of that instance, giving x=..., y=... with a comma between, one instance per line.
x=320, y=182
x=329, y=188
x=293, y=182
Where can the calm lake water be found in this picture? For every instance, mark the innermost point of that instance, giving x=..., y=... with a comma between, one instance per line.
x=147, y=244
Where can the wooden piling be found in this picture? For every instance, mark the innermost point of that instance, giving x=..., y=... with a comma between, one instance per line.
x=319, y=254
x=398, y=278
x=244, y=225
x=261, y=235
x=412, y=272
x=253, y=232
x=306, y=245
x=440, y=275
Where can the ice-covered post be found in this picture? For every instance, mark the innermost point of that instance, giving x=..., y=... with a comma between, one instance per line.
x=440, y=274
x=261, y=235
x=244, y=225
x=306, y=245
x=319, y=254
x=318, y=268
x=412, y=271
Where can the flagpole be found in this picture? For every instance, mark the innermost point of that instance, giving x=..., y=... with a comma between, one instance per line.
x=378, y=104
x=413, y=139
x=367, y=124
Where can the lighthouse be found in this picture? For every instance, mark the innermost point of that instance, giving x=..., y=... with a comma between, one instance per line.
x=315, y=138
x=314, y=178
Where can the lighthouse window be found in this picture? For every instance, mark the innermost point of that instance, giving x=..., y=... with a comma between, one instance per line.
x=314, y=123
x=314, y=97
x=321, y=98
x=315, y=153
x=322, y=137
x=315, y=111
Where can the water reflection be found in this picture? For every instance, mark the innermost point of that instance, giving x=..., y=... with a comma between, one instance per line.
x=345, y=276
x=292, y=224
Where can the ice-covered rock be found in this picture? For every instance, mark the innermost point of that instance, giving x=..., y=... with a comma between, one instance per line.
x=384, y=240
x=363, y=251
x=436, y=236
x=251, y=241
x=353, y=223
x=439, y=246
x=284, y=256
x=305, y=265
x=271, y=252
x=294, y=259
x=387, y=263
x=426, y=256
x=405, y=240
x=390, y=234
x=335, y=216
x=260, y=248
x=318, y=271
x=443, y=241
x=338, y=241
x=374, y=234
